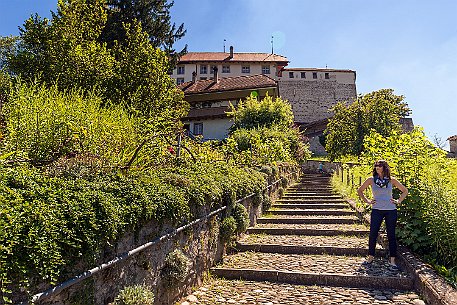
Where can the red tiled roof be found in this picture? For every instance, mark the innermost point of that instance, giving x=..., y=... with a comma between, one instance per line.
x=317, y=69
x=237, y=57
x=228, y=84
x=452, y=138
x=200, y=113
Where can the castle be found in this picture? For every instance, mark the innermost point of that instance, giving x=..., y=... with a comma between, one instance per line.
x=310, y=91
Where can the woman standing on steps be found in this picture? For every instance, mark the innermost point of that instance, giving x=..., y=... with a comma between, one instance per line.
x=383, y=207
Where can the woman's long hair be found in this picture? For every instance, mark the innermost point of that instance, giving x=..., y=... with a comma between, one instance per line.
x=385, y=168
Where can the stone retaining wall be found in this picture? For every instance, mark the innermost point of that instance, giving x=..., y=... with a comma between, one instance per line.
x=199, y=243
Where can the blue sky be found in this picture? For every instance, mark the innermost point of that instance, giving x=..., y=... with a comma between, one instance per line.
x=409, y=46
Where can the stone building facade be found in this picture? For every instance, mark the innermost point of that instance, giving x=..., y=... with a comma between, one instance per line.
x=453, y=146
x=312, y=91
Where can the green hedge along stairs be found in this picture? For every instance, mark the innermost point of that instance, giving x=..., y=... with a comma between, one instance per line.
x=309, y=248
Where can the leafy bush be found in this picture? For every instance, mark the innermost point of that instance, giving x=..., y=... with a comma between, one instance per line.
x=48, y=222
x=284, y=182
x=135, y=295
x=251, y=113
x=266, y=170
x=281, y=192
x=268, y=145
x=227, y=229
x=241, y=216
x=76, y=123
x=258, y=198
x=266, y=202
x=176, y=268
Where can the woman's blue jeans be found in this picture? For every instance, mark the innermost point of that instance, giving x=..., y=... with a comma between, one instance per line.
x=391, y=221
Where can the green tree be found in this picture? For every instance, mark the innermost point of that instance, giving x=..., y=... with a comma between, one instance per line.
x=379, y=110
x=65, y=50
x=141, y=81
x=7, y=47
x=155, y=19
x=252, y=113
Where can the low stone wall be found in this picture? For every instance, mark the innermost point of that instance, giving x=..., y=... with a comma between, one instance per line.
x=200, y=243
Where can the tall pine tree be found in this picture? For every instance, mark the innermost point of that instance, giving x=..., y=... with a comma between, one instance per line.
x=155, y=19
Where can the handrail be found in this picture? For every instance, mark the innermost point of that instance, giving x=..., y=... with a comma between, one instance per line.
x=124, y=256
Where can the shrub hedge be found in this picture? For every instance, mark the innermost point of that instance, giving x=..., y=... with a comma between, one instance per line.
x=49, y=221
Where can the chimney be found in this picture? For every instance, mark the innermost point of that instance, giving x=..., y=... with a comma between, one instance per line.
x=216, y=76
x=194, y=76
x=231, y=52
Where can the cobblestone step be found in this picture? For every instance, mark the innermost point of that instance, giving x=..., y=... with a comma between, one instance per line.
x=317, y=226
x=286, y=205
x=323, y=219
x=309, y=195
x=312, y=201
x=221, y=291
x=312, y=270
x=298, y=249
x=311, y=182
x=328, y=264
x=302, y=244
x=303, y=278
x=309, y=189
x=309, y=229
x=319, y=186
x=309, y=237
x=333, y=212
x=304, y=231
x=315, y=178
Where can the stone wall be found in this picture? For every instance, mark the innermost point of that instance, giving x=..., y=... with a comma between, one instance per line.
x=453, y=145
x=311, y=100
x=200, y=243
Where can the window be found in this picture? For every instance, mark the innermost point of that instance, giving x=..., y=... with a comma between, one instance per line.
x=303, y=74
x=212, y=68
x=265, y=69
x=179, y=80
x=245, y=69
x=203, y=78
x=315, y=75
x=225, y=69
x=181, y=70
x=291, y=74
x=203, y=69
x=327, y=76
x=198, y=128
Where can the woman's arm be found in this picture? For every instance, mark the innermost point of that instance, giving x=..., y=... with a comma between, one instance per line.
x=362, y=188
x=403, y=190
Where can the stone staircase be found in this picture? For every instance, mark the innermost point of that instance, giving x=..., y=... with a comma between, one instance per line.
x=308, y=249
